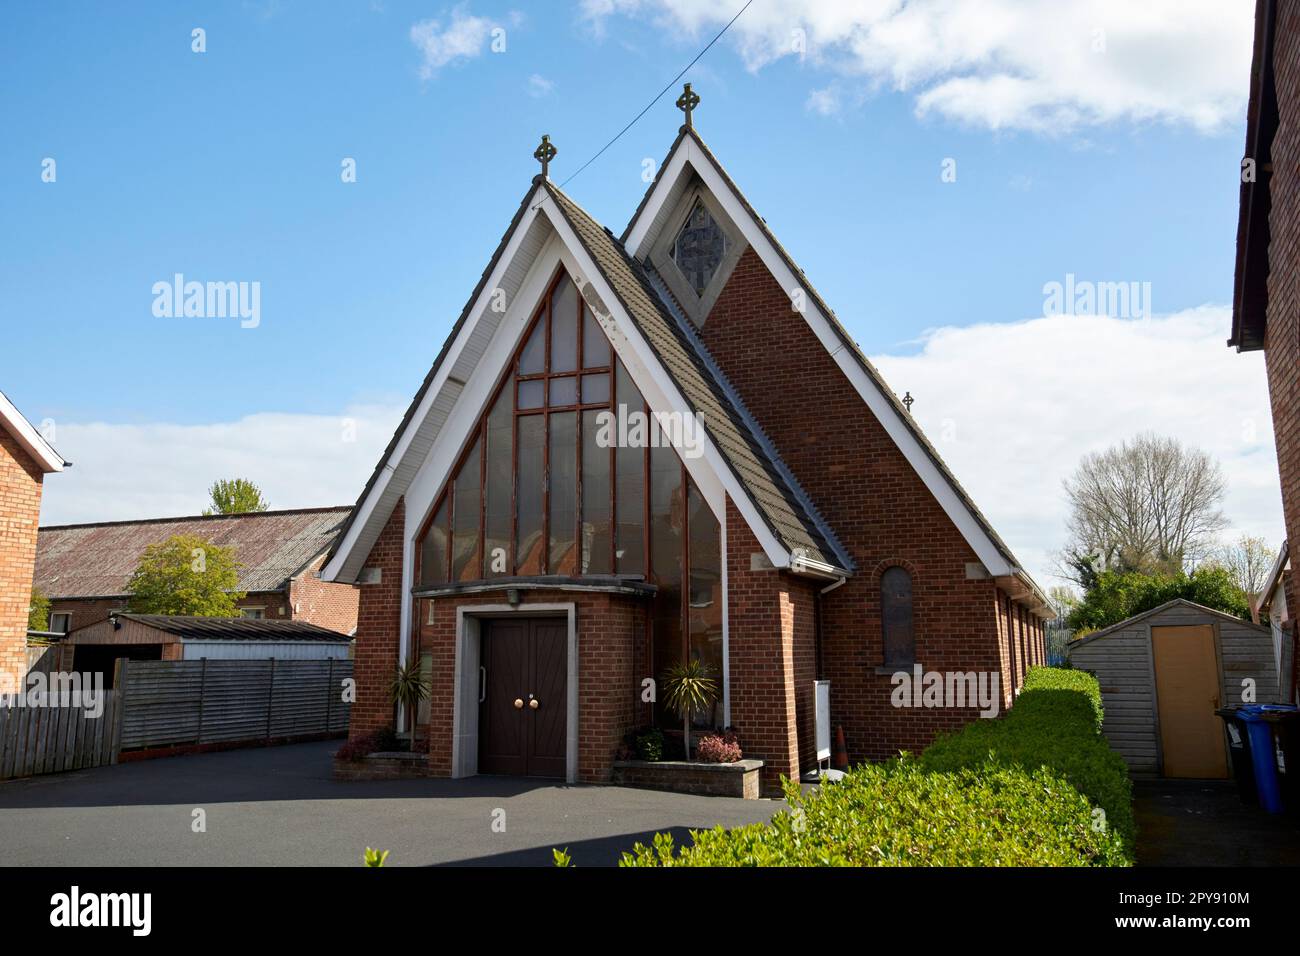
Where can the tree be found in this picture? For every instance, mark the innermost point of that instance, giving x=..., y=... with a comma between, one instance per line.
x=1248, y=561
x=38, y=613
x=185, y=575
x=1121, y=594
x=1148, y=505
x=235, y=496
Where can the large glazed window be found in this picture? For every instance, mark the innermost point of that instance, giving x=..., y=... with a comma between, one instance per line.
x=567, y=475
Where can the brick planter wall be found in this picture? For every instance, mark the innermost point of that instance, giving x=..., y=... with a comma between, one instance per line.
x=739, y=779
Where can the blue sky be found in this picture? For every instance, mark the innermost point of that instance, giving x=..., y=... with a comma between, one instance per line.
x=225, y=165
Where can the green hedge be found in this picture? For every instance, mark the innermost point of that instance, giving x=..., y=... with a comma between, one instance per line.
x=1019, y=791
x=1055, y=723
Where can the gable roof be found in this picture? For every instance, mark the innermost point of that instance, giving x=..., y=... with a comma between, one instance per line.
x=1160, y=609
x=779, y=504
x=231, y=628
x=640, y=232
x=97, y=560
x=23, y=432
x=737, y=435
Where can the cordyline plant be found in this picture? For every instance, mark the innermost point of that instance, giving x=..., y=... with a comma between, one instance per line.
x=409, y=688
x=690, y=690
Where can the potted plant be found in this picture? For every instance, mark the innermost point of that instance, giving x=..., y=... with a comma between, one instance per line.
x=409, y=688
x=690, y=690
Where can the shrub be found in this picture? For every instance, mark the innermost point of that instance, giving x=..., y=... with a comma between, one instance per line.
x=1020, y=791
x=649, y=745
x=718, y=748
x=900, y=814
x=1055, y=724
x=378, y=741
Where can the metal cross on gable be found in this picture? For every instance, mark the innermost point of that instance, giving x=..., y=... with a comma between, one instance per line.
x=686, y=103
x=908, y=400
x=545, y=153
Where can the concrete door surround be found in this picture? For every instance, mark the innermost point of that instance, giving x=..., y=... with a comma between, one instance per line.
x=464, y=741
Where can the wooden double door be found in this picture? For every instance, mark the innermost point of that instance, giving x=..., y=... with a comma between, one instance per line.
x=524, y=701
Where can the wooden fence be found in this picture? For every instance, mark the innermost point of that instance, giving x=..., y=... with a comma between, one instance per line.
x=56, y=736
x=182, y=703
x=166, y=704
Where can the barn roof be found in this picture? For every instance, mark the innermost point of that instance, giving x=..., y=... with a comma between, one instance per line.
x=97, y=560
x=1176, y=602
x=232, y=628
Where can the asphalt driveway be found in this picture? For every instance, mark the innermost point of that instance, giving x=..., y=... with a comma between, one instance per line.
x=1204, y=823
x=279, y=806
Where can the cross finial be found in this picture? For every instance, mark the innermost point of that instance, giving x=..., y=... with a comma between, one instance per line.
x=908, y=400
x=687, y=102
x=544, y=154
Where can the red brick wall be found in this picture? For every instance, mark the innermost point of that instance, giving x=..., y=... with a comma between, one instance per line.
x=20, y=509
x=324, y=603
x=379, y=625
x=1282, y=341
x=874, y=500
x=770, y=650
x=609, y=671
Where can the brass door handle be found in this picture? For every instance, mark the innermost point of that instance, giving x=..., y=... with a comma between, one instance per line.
x=519, y=704
x=534, y=703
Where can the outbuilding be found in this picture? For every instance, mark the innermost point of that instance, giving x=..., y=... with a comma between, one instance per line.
x=153, y=637
x=1164, y=672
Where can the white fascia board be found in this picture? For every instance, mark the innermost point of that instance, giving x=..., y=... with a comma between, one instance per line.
x=29, y=438
x=710, y=471
x=367, y=507
x=921, y=462
x=472, y=402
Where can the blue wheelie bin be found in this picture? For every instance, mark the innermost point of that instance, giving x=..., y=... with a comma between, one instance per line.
x=1285, y=721
x=1263, y=750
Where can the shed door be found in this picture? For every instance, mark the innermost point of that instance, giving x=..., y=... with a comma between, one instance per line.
x=1187, y=693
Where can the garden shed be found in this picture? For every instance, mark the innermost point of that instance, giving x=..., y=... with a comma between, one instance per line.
x=1164, y=672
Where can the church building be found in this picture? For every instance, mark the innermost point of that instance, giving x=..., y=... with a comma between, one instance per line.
x=640, y=450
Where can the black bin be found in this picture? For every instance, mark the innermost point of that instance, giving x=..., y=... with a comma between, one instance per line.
x=1243, y=769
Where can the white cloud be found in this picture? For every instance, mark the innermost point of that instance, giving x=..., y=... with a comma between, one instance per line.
x=539, y=86
x=463, y=38
x=1045, y=65
x=157, y=470
x=1012, y=407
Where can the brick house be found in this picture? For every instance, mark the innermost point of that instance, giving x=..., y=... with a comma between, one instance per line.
x=1266, y=294
x=544, y=560
x=25, y=459
x=84, y=568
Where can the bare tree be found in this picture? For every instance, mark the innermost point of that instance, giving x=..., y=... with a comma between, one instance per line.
x=1150, y=504
x=1248, y=561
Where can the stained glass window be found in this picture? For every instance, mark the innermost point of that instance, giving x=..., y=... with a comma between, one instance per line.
x=699, y=248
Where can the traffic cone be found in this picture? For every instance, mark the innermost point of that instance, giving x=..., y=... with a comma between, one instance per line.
x=841, y=751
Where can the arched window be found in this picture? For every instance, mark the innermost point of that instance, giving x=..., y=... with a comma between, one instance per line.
x=896, y=617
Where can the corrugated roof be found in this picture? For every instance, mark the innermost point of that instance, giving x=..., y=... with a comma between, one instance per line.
x=97, y=560
x=732, y=431
x=234, y=628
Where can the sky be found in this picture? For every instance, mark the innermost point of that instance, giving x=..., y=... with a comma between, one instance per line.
x=939, y=169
